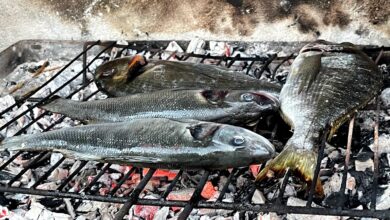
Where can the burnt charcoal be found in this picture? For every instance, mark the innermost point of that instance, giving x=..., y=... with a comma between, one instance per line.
x=7, y=202
x=364, y=184
x=53, y=204
x=245, y=193
x=363, y=156
x=335, y=200
x=29, y=155
x=6, y=175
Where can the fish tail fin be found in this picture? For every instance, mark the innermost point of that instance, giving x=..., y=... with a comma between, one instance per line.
x=298, y=160
x=58, y=104
x=11, y=143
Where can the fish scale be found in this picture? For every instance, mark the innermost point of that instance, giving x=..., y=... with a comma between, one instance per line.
x=117, y=79
x=207, y=105
x=326, y=84
x=152, y=142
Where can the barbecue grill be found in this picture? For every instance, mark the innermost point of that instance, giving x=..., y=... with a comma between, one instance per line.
x=34, y=50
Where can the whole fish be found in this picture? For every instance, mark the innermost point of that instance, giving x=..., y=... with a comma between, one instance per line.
x=327, y=84
x=129, y=75
x=154, y=143
x=234, y=107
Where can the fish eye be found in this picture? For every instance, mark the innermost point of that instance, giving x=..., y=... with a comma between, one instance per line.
x=238, y=140
x=247, y=97
x=109, y=72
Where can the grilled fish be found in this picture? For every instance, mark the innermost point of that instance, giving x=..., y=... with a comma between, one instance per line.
x=154, y=143
x=129, y=75
x=232, y=107
x=327, y=84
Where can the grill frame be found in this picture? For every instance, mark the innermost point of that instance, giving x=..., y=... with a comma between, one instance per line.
x=195, y=202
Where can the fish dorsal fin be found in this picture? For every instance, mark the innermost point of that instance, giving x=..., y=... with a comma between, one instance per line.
x=214, y=96
x=203, y=131
x=310, y=67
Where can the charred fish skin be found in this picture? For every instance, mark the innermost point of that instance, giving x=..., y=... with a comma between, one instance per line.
x=233, y=107
x=130, y=75
x=328, y=83
x=155, y=143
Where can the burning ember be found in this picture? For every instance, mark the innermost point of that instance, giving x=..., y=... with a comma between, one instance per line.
x=50, y=186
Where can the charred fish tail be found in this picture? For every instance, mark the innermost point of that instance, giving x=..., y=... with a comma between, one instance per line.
x=299, y=160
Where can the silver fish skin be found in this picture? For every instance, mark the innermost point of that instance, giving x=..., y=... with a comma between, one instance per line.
x=155, y=143
x=232, y=107
x=135, y=74
x=328, y=83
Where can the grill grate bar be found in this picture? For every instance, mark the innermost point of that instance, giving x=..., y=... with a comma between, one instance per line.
x=376, y=159
x=49, y=80
x=70, y=177
x=266, y=64
x=249, y=67
x=22, y=130
x=280, y=64
x=283, y=186
x=280, y=209
x=47, y=129
x=48, y=172
x=346, y=163
x=233, y=60
x=6, y=163
x=318, y=165
x=195, y=201
x=124, y=178
x=171, y=185
x=97, y=177
x=33, y=162
x=376, y=145
x=196, y=196
x=134, y=195
x=52, y=93
x=226, y=186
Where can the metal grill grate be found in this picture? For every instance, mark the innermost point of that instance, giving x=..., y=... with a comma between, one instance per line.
x=196, y=200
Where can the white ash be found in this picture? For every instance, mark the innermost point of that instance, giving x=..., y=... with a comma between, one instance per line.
x=382, y=201
x=334, y=184
x=385, y=97
x=364, y=165
x=293, y=201
x=383, y=144
x=258, y=197
x=269, y=216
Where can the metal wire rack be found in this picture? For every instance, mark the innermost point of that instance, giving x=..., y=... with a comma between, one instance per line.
x=196, y=200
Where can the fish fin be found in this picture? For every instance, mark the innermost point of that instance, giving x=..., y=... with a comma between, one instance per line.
x=300, y=161
x=134, y=67
x=202, y=131
x=11, y=143
x=59, y=105
x=310, y=68
x=214, y=96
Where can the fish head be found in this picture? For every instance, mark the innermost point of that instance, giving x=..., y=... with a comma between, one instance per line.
x=326, y=46
x=118, y=71
x=247, y=106
x=242, y=145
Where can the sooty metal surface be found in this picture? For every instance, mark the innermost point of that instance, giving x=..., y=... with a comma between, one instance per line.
x=195, y=202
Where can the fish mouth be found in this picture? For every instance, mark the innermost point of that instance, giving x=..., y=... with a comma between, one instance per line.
x=326, y=46
x=267, y=99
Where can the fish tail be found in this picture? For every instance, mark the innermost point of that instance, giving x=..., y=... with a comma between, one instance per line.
x=58, y=104
x=11, y=143
x=299, y=160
